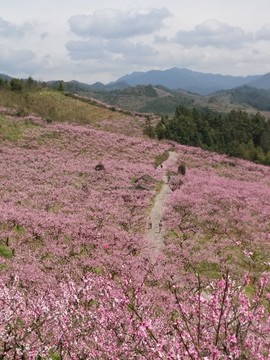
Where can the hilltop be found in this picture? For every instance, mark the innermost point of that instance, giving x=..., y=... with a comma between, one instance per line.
x=57, y=106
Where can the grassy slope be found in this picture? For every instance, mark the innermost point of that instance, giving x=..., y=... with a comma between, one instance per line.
x=55, y=106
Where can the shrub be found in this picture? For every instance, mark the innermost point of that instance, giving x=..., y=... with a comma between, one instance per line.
x=16, y=85
x=182, y=169
x=99, y=167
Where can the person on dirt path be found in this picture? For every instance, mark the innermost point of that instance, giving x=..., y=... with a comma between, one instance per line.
x=160, y=225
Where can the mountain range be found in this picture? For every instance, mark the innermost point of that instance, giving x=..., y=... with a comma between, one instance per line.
x=193, y=81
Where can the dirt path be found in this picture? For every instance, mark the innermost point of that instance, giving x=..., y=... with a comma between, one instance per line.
x=155, y=232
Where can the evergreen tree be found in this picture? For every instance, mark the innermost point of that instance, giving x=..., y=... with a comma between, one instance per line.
x=61, y=86
x=236, y=134
x=16, y=85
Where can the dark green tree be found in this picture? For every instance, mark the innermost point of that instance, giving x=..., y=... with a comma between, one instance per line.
x=61, y=86
x=16, y=84
x=30, y=83
x=265, y=137
x=236, y=133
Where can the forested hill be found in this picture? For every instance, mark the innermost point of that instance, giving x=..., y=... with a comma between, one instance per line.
x=236, y=133
x=257, y=98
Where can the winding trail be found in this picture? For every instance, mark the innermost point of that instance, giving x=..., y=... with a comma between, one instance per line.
x=155, y=232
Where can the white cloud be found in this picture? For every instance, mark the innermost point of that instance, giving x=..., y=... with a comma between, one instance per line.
x=8, y=30
x=214, y=33
x=130, y=49
x=263, y=33
x=15, y=57
x=20, y=63
x=90, y=49
x=96, y=48
x=112, y=23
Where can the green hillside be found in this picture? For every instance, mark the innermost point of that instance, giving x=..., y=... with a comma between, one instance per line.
x=55, y=105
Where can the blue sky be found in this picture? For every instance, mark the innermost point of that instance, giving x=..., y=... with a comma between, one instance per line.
x=91, y=40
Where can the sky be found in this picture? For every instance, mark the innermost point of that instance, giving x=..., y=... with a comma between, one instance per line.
x=97, y=40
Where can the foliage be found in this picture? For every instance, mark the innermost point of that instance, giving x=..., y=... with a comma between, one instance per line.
x=236, y=134
x=161, y=105
x=257, y=98
x=61, y=86
x=3, y=83
x=100, y=318
x=182, y=169
x=9, y=130
x=16, y=85
x=5, y=251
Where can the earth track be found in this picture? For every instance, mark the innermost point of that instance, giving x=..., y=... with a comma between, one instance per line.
x=155, y=231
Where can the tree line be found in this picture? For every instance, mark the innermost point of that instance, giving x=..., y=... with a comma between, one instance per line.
x=236, y=133
x=19, y=85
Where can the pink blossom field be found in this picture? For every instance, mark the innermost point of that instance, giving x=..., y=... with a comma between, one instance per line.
x=76, y=276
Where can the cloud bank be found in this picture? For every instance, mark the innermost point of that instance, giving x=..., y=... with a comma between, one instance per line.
x=113, y=24
x=214, y=33
x=9, y=30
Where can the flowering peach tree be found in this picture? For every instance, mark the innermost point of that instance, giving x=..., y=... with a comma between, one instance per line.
x=76, y=281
